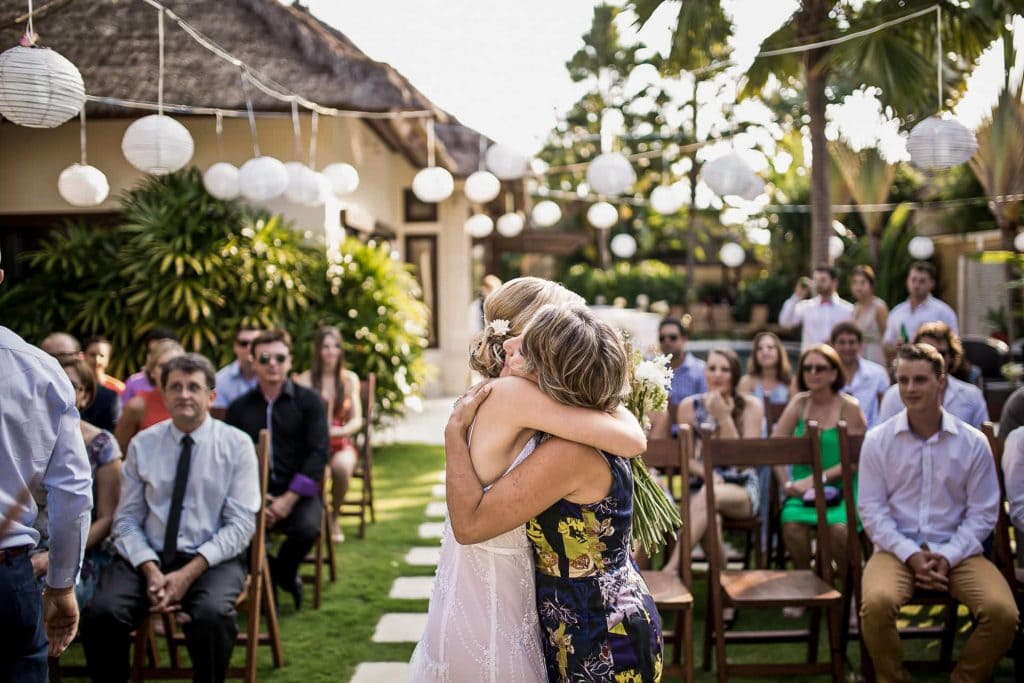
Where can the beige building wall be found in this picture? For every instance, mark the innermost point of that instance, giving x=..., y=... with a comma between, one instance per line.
x=32, y=159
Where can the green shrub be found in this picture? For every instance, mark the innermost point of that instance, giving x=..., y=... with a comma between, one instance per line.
x=655, y=279
x=771, y=289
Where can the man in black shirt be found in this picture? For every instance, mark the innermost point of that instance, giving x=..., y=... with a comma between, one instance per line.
x=298, y=453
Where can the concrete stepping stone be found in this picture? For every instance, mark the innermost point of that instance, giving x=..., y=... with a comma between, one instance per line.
x=431, y=530
x=438, y=491
x=400, y=627
x=381, y=672
x=412, y=588
x=437, y=509
x=423, y=557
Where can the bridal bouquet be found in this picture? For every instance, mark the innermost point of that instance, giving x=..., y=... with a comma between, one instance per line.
x=654, y=515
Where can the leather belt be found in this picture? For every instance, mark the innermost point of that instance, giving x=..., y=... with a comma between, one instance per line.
x=8, y=554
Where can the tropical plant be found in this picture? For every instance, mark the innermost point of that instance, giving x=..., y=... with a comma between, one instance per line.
x=869, y=179
x=654, y=279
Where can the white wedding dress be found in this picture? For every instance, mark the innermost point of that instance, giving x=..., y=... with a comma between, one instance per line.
x=482, y=622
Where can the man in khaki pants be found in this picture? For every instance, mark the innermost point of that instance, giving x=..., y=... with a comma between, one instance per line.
x=928, y=498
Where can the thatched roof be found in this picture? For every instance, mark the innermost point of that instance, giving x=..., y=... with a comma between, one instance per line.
x=114, y=45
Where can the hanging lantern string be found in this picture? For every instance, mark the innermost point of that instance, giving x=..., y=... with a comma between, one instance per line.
x=314, y=125
x=296, y=130
x=220, y=132
x=81, y=135
x=31, y=27
x=938, y=51
x=252, y=117
x=160, y=72
x=430, y=142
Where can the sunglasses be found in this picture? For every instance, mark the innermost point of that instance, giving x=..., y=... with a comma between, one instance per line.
x=244, y=343
x=816, y=369
x=279, y=358
x=668, y=337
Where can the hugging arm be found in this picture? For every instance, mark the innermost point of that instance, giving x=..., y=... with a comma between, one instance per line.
x=618, y=433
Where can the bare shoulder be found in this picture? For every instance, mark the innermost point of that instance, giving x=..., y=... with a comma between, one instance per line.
x=746, y=384
x=752, y=404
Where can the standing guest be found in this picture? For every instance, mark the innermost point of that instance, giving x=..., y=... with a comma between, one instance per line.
x=963, y=400
x=919, y=308
x=928, y=498
x=1013, y=469
x=173, y=556
x=97, y=355
x=141, y=381
x=819, y=314
x=768, y=371
x=148, y=407
x=687, y=374
x=866, y=380
x=820, y=379
x=40, y=443
x=238, y=377
x=339, y=387
x=1013, y=413
x=869, y=312
x=297, y=422
x=103, y=410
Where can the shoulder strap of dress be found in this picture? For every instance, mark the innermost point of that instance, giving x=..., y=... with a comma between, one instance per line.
x=803, y=408
x=842, y=406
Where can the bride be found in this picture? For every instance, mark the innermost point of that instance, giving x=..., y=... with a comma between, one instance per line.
x=482, y=623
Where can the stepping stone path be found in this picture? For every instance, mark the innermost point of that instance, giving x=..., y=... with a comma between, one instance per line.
x=407, y=627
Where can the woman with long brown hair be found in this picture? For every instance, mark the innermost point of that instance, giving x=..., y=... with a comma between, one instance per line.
x=768, y=372
x=339, y=388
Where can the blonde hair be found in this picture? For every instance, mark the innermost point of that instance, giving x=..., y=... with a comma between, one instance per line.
x=516, y=301
x=153, y=357
x=579, y=359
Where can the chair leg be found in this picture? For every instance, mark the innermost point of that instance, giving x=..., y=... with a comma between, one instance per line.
x=270, y=612
x=170, y=631
x=318, y=571
x=677, y=639
x=142, y=636
x=948, y=634
x=332, y=571
x=369, y=489
x=252, y=628
x=721, y=661
x=834, y=641
x=688, y=643
x=815, y=632
x=709, y=629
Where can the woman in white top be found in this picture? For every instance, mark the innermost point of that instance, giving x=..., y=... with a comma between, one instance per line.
x=870, y=313
x=482, y=623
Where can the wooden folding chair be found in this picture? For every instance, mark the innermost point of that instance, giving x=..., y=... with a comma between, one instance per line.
x=361, y=503
x=322, y=554
x=1002, y=549
x=769, y=588
x=672, y=594
x=256, y=600
x=775, y=549
x=858, y=550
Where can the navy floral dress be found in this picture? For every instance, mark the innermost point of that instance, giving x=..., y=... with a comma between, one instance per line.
x=598, y=619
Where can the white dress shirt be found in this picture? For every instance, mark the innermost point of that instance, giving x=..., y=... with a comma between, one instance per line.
x=1013, y=472
x=963, y=400
x=221, y=498
x=941, y=491
x=818, y=316
x=866, y=386
x=930, y=310
x=41, y=443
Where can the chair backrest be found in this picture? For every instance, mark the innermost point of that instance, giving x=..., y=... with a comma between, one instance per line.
x=849, y=458
x=367, y=394
x=772, y=413
x=987, y=353
x=759, y=314
x=219, y=412
x=779, y=451
x=672, y=456
x=258, y=548
x=1002, y=551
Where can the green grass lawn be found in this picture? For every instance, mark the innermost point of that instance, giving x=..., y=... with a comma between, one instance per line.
x=327, y=644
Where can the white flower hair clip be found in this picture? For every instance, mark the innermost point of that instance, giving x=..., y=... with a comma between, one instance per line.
x=500, y=326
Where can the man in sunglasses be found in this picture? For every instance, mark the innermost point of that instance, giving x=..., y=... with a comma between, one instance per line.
x=239, y=376
x=687, y=374
x=297, y=420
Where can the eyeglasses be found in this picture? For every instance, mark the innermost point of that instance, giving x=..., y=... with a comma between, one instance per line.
x=668, y=337
x=816, y=369
x=279, y=358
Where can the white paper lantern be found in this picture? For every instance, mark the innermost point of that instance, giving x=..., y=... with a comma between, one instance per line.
x=611, y=174
x=546, y=213
x=343, y=178
x=262, y=179
x=506, y=163
x=433, y=184
x=481, y=187
x=82, y=185
x=921, y=247
x=1018, y=241
x=510, y=224
x=754, y=189
x=666, y=199
x=836, y=247
x=936, y=144
x=157, y=144
x=728, y=175
x=221, y=180
x=732, y=255
x=478, y=225
x=39, y=88
x=602, y=215
x=303, y=184
x=623, y=245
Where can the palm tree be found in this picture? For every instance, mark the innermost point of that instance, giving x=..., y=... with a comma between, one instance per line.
x=869, y=179
x=897, y=59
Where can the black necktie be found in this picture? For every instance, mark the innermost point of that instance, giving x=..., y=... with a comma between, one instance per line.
x=177, y=498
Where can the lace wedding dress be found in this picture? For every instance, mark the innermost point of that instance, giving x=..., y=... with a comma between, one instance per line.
x=482, y=622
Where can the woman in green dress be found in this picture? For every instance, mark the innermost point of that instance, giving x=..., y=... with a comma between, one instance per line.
x=820, y=379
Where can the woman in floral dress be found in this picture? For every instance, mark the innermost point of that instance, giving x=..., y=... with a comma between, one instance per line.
x=598, y=619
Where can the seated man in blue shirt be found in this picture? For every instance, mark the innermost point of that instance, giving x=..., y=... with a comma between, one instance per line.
x=687, y=374
x=239, y=376
x=928, y=498
x=189, y=494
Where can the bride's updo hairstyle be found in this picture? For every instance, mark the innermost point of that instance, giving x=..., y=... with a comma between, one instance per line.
x=578, y=359
x=516, y=302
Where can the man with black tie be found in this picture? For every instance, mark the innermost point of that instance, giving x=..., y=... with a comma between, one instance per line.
x=189, y=494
